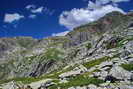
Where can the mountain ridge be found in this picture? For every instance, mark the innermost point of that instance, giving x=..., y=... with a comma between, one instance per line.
x=108, y=40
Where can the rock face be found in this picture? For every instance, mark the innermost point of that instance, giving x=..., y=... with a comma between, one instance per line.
x=41, y=68
x=89, y=57
x=92, y=31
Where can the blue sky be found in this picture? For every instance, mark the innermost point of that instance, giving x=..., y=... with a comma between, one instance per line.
x=43, y=18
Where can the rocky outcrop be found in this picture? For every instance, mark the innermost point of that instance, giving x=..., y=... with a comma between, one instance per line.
x=41, y=68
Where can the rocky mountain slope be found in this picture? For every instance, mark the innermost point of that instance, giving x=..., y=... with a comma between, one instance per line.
x=98, y=55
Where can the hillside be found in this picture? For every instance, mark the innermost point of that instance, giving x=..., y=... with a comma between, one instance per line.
x=98, y=55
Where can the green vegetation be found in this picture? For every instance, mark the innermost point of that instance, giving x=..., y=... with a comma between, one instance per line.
x=96, y=62
x=88, y=46
x=128, y=67
x=27, y=80
x=122, y=42
x=26, y=42
x=79, y=80
x=53, y=53
x=57, y=41
x=118, y=42
x=23, y=80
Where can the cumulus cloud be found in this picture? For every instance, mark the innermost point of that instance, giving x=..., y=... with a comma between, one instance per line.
x=108, y=1
x=116, y=1
x=77, y=17
x=9, y=18
x=60, y=34
x=34, y=9
x=94, y=11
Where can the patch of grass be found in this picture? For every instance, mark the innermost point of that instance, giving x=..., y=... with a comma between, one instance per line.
x=116, y=42
x=28, y=80
x=128, y=67
x=130, y=38
x=26, y=42
x=96, y=70
x=24, y=80
x=120, y=42
x=88, y=46
x=96, y=62
x=79, y=80
x=53, y=53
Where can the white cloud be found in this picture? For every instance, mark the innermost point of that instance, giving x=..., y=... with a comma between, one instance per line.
x=34, y=9
x=38, y=10
x=77, y=17
x=60, y=34
x=9, y=18
x=30, y=7
x=107, y=1
x=116, y=1
x=93, y=5
x=92, y=12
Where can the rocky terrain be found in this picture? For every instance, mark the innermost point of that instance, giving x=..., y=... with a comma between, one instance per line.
x=98, y=55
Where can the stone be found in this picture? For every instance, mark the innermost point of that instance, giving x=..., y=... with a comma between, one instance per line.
x=71, y=88
x=91, y=86
x=130, y=60
x=70, y=73
x=103, y=74
x=125, y=87
x=104, y=84
x=120, y=73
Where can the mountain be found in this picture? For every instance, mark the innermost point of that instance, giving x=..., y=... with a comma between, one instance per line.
x=98, y=55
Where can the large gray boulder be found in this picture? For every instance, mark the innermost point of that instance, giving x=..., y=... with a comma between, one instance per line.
x=120, y=73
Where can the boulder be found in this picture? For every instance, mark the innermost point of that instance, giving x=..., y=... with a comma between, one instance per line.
x=125, y=87
x=70, y=73
x=91, y=86
x=120, y=73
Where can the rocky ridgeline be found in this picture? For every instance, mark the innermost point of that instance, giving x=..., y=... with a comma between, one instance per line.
x=97, y=55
